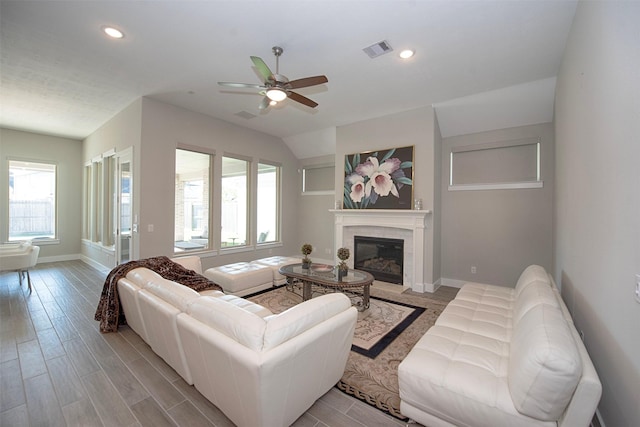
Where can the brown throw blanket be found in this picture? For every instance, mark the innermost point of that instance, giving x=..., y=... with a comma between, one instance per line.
x=109, y=312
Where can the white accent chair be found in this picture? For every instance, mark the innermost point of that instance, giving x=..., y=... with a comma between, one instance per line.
x=19, y=258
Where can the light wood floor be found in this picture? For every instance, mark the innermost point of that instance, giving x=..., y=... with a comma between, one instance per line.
x=57, y=369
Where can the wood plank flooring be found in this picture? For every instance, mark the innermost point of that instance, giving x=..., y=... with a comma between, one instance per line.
x=57, y=369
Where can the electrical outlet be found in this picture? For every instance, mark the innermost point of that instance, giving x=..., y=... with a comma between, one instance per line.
x=638, y=288
x=473, y=269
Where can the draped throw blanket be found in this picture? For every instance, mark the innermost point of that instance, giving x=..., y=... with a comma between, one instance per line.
x=109, y=312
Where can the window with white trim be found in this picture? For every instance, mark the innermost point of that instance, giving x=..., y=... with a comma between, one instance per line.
x=32, y=200
x=268, y=199
x=235, y=191
x=192, y=200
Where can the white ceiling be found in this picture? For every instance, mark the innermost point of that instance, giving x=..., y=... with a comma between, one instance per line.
x=61, y=76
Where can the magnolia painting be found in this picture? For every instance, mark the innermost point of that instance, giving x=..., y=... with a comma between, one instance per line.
x=379, y=180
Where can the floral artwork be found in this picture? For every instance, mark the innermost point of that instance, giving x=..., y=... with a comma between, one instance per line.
x=379, y=180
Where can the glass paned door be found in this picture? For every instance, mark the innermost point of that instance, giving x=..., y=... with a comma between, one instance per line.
x=124, y=209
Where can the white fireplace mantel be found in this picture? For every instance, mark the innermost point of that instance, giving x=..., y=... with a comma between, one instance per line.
x=412, y=220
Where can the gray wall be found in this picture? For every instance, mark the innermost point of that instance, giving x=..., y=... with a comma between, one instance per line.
x=67, y=154
x=124, y=130
x=597, y=116
x=154, y=130
x=500, y=232
x=316, y=223
x=437, y=204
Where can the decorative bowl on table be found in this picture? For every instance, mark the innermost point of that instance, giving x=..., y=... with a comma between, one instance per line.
x=322, y=268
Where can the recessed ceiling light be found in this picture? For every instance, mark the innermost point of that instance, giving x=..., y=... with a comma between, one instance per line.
x=406, y=54
x=112, y=32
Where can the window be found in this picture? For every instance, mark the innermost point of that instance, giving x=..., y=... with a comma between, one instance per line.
x=234, y=202
x=192, y=187
x=268, y=203
x=32, y=200
x=318, y=180
x=99, y=221
x=496, y=165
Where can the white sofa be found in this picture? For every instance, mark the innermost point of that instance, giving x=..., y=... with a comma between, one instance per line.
x=501, y=357
x=260, y=369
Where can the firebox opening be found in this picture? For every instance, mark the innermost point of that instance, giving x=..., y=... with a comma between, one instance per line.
x=381, y=257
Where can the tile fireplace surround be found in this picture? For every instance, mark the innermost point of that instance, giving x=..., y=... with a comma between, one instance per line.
x=408, y=225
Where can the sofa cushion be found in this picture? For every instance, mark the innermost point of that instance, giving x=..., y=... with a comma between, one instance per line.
x=487, y=321
x=142, y=276
x=247, y=305
x=460, y=376
x=544, y=363
x=191, y=262
x=531, y=274
x=241, y=325
x=174, y=293
x=302, y=317
x=535, y=293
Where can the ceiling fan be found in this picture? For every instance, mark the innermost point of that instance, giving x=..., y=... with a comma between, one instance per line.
x=277, y=87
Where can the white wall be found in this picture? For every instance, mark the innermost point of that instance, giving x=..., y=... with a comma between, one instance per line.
x=67, y=154
x=597, y=116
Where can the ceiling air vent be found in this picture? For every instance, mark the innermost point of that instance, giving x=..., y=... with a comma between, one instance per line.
x=245, y=115
x=378, y=49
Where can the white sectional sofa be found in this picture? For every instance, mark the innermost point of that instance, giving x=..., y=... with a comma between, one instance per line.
x=260, y=369
x=501, y=357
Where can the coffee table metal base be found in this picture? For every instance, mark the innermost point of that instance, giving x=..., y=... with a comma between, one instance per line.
x=307, y=289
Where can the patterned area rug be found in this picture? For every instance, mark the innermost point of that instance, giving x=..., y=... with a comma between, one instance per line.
x=374, y=378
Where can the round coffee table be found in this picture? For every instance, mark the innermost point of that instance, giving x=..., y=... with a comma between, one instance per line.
x=322, y=278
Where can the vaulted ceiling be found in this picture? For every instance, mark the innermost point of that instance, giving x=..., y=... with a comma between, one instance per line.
x=61, y=75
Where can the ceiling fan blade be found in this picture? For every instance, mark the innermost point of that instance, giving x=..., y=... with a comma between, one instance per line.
x=262, y=68
x=243, y=85
x=307, y=81
x=302, y=99
x=264, y=103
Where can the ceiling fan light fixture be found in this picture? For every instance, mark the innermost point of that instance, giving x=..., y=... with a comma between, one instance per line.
x=276, y=94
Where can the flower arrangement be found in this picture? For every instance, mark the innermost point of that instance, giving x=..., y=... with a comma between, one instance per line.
x=306, y=250
x=366, y=182
x=343, y=255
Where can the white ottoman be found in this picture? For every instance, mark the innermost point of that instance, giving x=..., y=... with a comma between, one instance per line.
x=275, y=262
x=241, y=278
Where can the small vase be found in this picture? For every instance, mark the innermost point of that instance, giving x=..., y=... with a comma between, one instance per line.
x=306, y=264
x=341, y=274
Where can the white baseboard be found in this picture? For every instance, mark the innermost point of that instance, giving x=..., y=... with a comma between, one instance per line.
x=454, y=283
x=70, y=257
x=94, y=263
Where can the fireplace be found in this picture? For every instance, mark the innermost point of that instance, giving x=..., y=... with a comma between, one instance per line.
x=406, y=224
x=381, y=257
